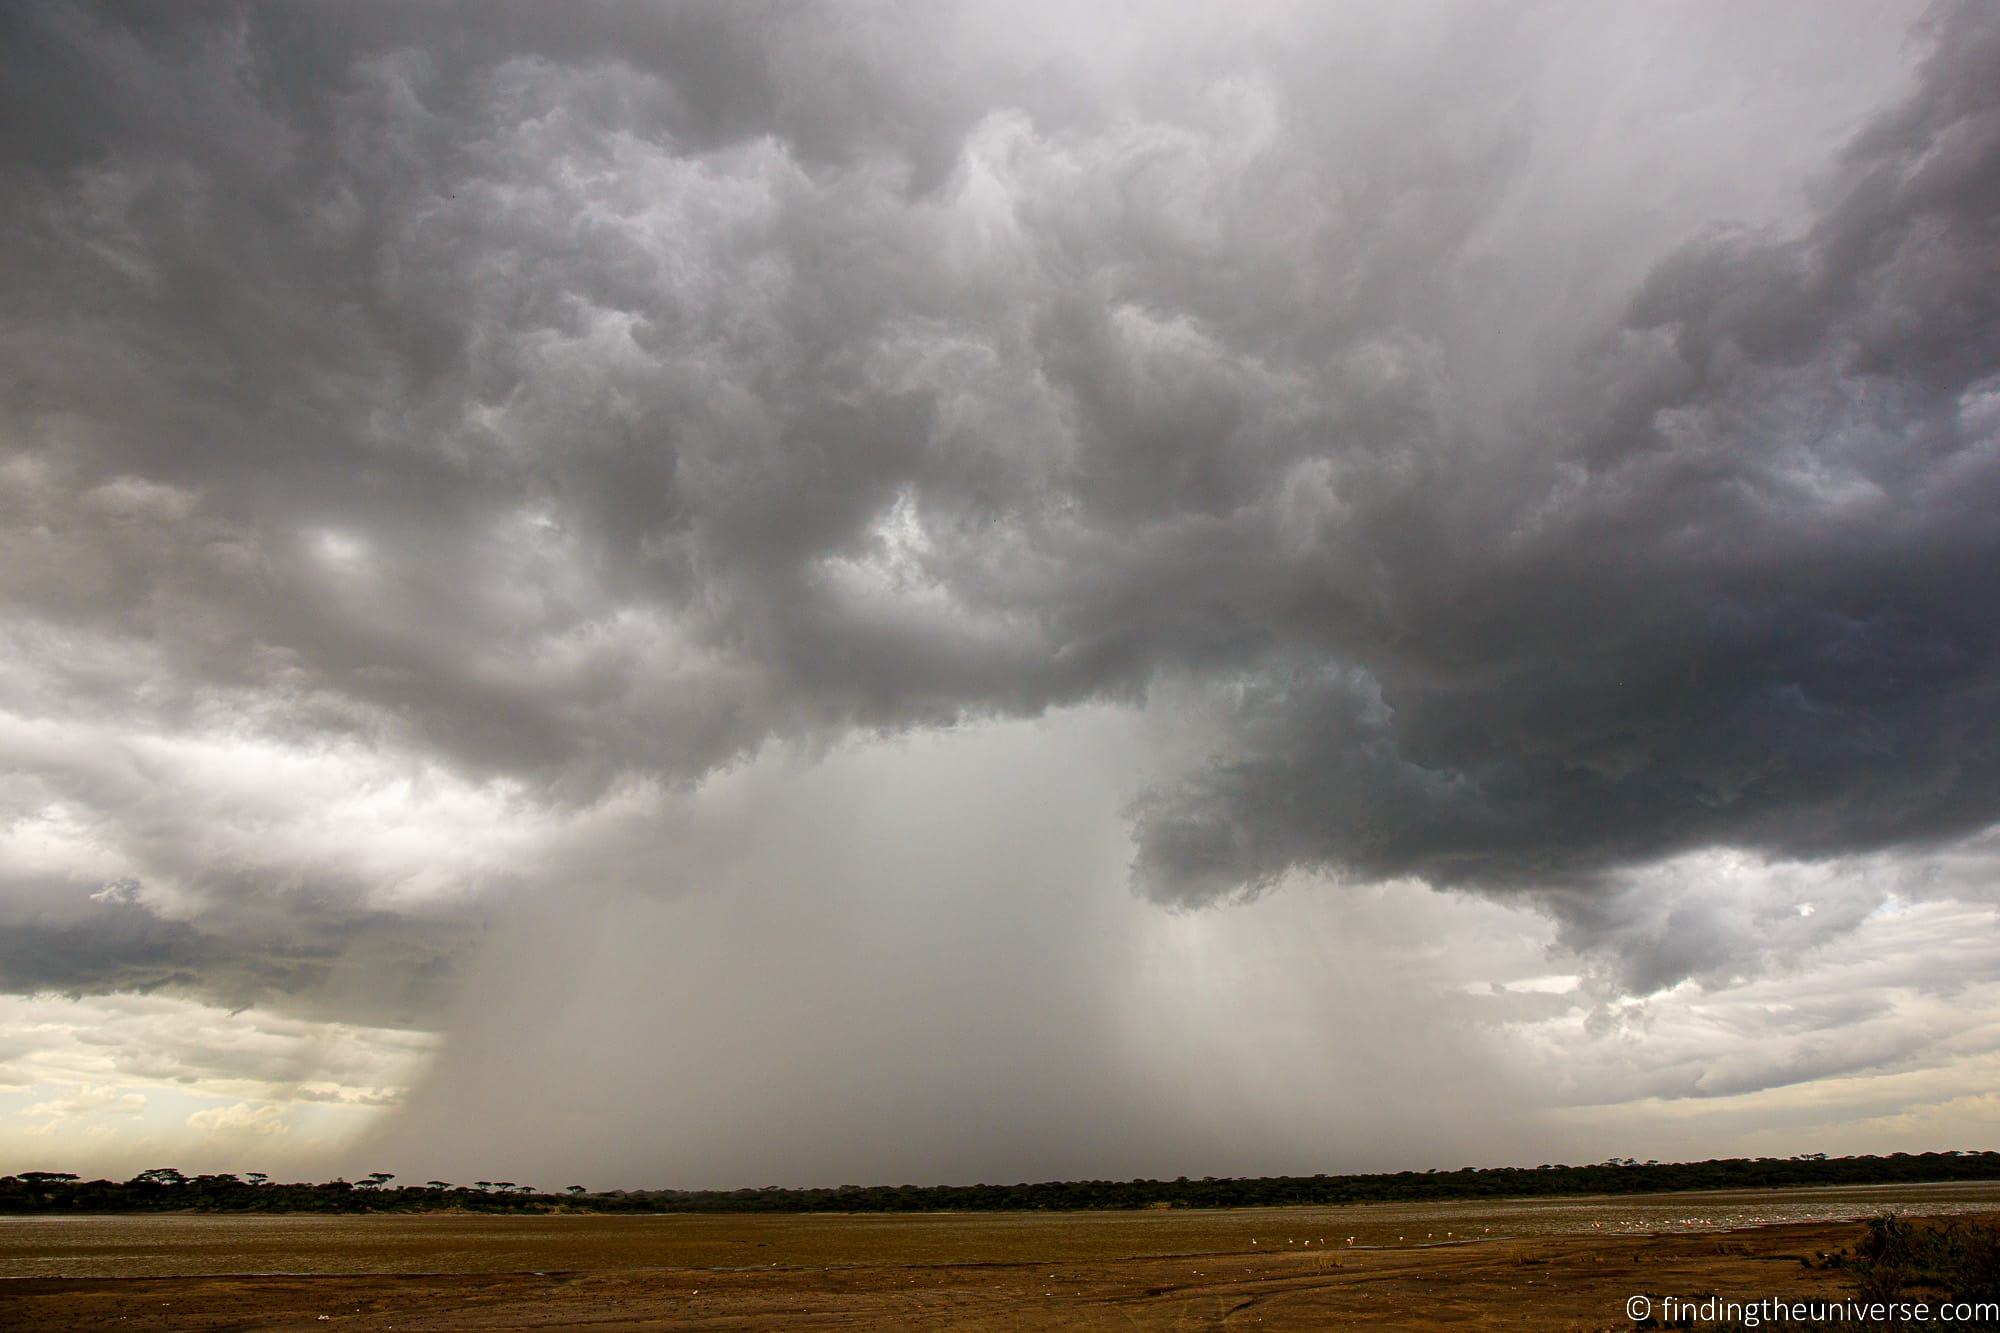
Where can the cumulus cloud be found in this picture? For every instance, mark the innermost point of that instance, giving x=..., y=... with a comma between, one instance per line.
x=117, y=1083
x=162, y=1040
x=86, y=1101
x=240, y=1119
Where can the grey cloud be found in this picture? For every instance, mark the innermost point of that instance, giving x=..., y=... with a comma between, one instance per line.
x=1738, y=599
x=573, y=400
x=106, y=946
x=343, y=963
x=1898, y=993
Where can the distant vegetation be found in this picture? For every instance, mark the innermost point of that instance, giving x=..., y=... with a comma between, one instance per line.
x=167, y=1190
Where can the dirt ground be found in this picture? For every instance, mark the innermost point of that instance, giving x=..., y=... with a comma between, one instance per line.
x=1542, y=1283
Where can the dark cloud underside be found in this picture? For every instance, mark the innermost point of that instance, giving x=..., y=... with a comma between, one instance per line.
x=573, y=396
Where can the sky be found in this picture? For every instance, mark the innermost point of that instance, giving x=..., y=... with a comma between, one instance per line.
x=761, y=593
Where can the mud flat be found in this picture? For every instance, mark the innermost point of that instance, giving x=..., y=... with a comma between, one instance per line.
x=1567, y=1264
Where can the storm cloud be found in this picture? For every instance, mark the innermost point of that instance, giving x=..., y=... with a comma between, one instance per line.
x=1538, y=453
x=1730, y=591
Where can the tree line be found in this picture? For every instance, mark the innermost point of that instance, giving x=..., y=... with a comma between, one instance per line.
x=166, y=1189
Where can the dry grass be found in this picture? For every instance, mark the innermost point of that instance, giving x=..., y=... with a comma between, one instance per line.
x=1552, y=1283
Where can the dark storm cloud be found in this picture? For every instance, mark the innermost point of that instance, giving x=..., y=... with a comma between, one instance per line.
x=576, y=396
x=106, y=943
x=52, y=940
x=1740, y=595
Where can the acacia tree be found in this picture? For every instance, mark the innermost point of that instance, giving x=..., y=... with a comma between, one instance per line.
x=38, y=1181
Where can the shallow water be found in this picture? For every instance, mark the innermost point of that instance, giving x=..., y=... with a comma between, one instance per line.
x=179, y=1244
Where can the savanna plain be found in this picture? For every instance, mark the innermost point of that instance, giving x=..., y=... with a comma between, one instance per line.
x=1543, y=1264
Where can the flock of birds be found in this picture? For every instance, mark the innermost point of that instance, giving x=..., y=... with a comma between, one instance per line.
x=1428, y=1235
x=1688, y=1222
